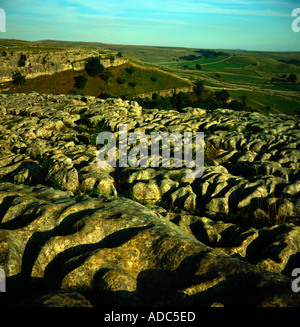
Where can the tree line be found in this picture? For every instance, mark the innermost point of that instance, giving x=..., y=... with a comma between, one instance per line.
x=199, y=98
x=204, y=54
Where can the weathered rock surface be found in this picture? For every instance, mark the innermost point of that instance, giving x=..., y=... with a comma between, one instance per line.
x=115, y=251
x=41, y=62
x=75, y=234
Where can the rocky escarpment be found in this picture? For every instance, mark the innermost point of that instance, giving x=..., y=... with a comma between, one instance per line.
x=75, y=234
x=42, y=62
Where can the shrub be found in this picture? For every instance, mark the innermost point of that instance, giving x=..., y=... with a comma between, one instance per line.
x=106, y=76
x=181, y=100
x=236, y=105
x=199, y=88
x=222, y=96
x=130, y=70
x=121, y=80
x=210, y=155
x=133, y=84
x=18, y=78
x=97, y=128
x=93, y=67
x=80, y=82
x=105, y=96
x=154, y=79
x=292, y=78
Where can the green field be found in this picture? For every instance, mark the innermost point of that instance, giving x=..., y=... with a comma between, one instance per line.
x=252, y=75
x=208, y=61
x=247, y=74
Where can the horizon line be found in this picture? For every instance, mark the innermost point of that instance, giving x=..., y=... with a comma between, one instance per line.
x=146, y=45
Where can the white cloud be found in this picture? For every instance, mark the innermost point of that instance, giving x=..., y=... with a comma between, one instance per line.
x=225, y=7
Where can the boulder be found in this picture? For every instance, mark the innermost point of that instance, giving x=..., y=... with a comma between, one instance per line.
x=185, y=198
x=63, y=175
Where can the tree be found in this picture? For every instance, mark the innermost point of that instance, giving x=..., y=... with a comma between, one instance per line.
x=130, y=70
x=199, y=88
x=18, y=78
x=22, y=60
x=198, y=66
x=162, y=103
x=80, y=82
x=292, y=78
x=180, y=100
x=222, y=96
x=93, y=67
x=236, y=105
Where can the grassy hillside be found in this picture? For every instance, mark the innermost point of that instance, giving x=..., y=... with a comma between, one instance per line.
x=127, y=80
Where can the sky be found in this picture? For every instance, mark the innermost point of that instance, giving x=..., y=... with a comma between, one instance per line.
x=224, y=24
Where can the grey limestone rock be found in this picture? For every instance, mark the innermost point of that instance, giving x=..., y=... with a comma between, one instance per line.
x=108, y=236
x=112, y=250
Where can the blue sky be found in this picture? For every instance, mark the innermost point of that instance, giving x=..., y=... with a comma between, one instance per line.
x=224, y=24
